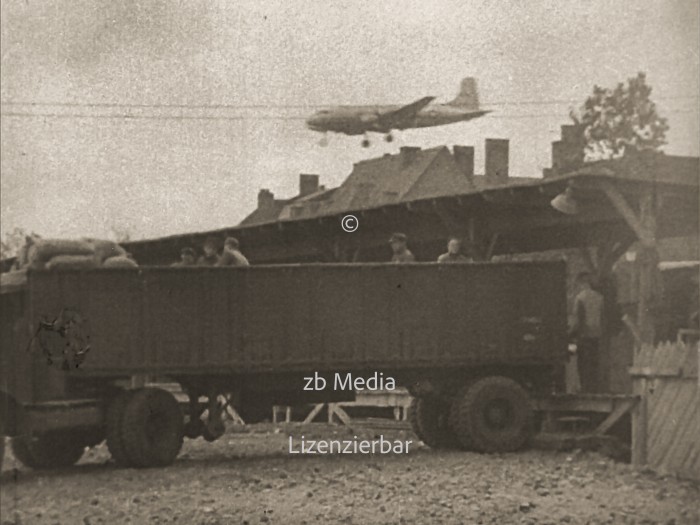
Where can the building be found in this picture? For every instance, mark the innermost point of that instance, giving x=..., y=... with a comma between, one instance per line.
x=410, y=175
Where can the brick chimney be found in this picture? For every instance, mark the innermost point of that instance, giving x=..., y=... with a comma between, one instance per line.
x=266, y=199
x=308, y=184
x=408, y=154
x=496, y=161
x=567, y=153
x=464, y=157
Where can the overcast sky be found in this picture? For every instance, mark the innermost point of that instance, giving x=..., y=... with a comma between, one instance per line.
x=69, y=176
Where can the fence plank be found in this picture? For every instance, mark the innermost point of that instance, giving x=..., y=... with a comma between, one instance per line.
x=666, y=423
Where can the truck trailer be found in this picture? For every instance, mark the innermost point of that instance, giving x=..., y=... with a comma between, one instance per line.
x=473, y=344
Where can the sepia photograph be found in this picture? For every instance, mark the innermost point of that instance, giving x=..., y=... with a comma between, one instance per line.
x=306, y=262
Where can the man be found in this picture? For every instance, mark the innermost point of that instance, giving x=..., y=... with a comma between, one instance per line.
x=232, y=255
x=187, y=258
x=587, y=330
x=210, y=257
x=453, y=255
x=402, y=254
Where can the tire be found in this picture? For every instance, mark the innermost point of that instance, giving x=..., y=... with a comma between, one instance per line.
x=462, y=434
x=152, y=428
x=115, y=442
x=493, y=415
x=428, y=418
x=51, y=450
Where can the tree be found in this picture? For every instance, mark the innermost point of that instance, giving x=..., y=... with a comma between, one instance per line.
x=617, y=120
x=13, y=241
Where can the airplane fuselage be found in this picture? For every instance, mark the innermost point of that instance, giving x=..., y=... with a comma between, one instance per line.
x=357, y=120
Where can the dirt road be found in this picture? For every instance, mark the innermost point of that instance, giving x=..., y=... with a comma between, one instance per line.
x=251, y=478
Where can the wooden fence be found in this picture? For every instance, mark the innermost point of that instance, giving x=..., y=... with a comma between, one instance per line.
x=666, y=423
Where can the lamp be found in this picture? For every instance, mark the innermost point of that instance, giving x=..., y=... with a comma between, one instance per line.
x=565, y=202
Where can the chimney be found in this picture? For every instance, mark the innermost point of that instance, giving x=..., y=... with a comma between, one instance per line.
x=308, y=184
x=266, y=199
x=408, y=154
x=496, y=161
x=464, y=157
x=568, y=153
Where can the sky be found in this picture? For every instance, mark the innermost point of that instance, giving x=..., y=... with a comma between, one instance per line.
x=65, y=173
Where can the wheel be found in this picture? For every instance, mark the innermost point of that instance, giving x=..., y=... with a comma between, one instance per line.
x=115, y=414
x=152, y=428
x=494, y=415
x=389, y=137
x=365, y=143
x=56, y=449
x=463, y=436
x=428, y=418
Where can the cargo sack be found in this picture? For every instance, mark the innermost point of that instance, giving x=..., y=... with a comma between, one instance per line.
x=43, y=250
x=13, y=280
x=121, y=261
x=71, y=262
x=105, y=249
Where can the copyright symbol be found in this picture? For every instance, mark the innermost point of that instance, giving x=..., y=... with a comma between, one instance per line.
x=349, y=223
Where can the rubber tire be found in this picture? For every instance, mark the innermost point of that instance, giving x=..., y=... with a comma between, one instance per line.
x=115, y=442
x=146, y=446
x=469, y=417
x=51, y=450
x=428, y=419
x=462, y=435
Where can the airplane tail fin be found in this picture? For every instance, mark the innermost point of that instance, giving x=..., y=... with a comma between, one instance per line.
x=468, y=97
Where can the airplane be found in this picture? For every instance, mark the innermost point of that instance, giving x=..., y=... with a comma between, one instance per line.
x=359, y=120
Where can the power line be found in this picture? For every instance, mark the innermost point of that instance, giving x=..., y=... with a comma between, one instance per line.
x=238, y=117
x=275, y=106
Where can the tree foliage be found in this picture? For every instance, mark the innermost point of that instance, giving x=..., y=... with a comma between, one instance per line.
x=617, y=120
x=13, y=241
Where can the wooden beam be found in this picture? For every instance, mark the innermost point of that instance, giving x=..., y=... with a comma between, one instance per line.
x=492, y=246
x=623, y=208
x=614, y=416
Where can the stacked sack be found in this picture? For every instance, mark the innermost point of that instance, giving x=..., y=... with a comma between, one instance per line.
x=81, y=254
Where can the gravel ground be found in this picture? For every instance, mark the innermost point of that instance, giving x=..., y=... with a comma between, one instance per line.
x=249, y=477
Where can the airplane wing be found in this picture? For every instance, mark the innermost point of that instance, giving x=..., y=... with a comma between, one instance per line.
x=396, y=117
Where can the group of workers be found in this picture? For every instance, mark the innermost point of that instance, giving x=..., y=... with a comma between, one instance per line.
x=230, y=256
x=401, y=253
x=586, y=328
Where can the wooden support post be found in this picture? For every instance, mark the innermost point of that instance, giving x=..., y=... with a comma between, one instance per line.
x=639, y=425
x=312, y=415
x=637, y=224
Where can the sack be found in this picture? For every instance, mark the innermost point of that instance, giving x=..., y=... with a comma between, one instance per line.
x=12, y=280
x=71, y=262
x=105, y=249
x=121, y=261
x=43, y=250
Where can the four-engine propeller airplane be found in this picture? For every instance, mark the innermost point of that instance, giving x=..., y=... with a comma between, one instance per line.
x=359, y=120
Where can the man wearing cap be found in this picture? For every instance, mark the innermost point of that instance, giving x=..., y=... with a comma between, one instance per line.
x=401, y=252
x=210, y=257
x=232, y=255
x=587, y=331
x=453, y=255
x=187, y=258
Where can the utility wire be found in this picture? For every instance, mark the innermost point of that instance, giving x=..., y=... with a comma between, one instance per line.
x=275, y=106
x=19, y=114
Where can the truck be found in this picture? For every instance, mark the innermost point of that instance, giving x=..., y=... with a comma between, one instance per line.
x=473, y=343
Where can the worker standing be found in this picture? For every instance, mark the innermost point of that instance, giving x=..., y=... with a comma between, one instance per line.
x=402, y=254
x=454, y=253
x=586, y=331
x=232, y=255
x=210, y=257
x=187, y=258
